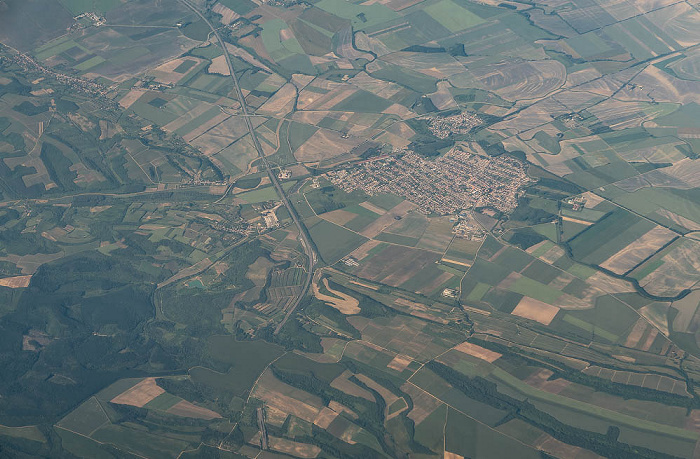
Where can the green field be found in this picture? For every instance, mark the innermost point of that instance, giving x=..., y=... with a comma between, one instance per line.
x=333, y=241
x=77, y=7
x=452, y=16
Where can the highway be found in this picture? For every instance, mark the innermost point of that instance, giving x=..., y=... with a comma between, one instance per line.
x=307, y=245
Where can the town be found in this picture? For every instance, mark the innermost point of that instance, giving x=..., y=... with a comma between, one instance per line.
x=458, y=180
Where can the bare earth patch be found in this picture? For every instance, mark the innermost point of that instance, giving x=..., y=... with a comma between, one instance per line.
x=400, y=362
x=536, y=310
x=16, y=282
x=325, y=144
x=347, y=305
x=639, y=250
x=477, y=351
x=362, y=251
x=339, y=216
x=140, y=394
x=325, y=417
x=296, y=449
x=131, y=97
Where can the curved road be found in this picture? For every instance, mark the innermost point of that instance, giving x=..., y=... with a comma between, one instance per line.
x=306, y=243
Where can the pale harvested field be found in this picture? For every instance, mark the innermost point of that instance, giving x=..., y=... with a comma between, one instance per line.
x=387, y=219
x=624, y=115
x=636, y=333
x=371, y=287
x=533, y=309
x=166, y=73
x=609, y=284
x=325, y=417
x=98, y=209
x=442, y=98
x=680, y=220
x=256, y=44
x=400, y=362
x=435, y=65
x=477, y=351
x=686, y=170
x=140, y=394
x=380, y=88
x=392, y=139
x=412, y=305
x=537, y=246
x=265, y=391
x=339, y=216
x=347, y=305
x=300, y=80
x=204, y=127
x=402, y=130
x=649, y=341
x=399, y=110
x=275, y=417
x=552, y=255
x=246, y=56
x=219, y=66
x=557, y=163
x=371, y=207
x=310, y=100
x=199, y=109
x=340, y=408
x=663, y=87
x=362, y=251
x=576, y=220
x=522, y=80
x=342, y=383
x=325, y=144
x=455, y=262
x=656, y=314
x=16, y=282
x=315, y=117
x=281, y=103
x=131, y=97
x=189, y=410
x=537, y=114
x=679, y=271
x=592, y=199
x=639, y=250
x=293, y=448
x=449, y=455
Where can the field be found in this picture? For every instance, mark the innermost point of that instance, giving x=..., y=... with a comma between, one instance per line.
x=148, y=266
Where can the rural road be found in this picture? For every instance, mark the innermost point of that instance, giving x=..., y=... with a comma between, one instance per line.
x=306, y=243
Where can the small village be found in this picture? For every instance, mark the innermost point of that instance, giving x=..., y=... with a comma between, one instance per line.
x=444, y=126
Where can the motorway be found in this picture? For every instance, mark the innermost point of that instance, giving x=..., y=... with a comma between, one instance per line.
x=307, y=245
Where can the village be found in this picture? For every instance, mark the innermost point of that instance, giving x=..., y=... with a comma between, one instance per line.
x=456, y=181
